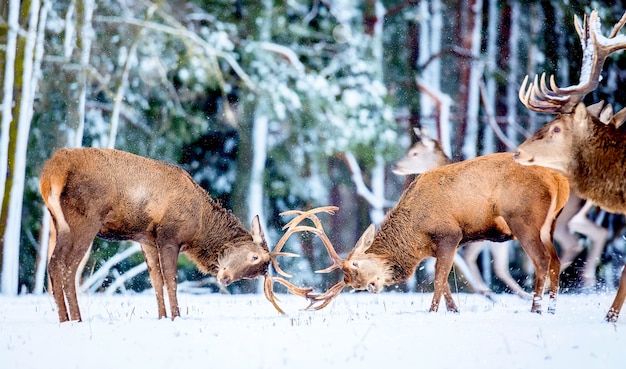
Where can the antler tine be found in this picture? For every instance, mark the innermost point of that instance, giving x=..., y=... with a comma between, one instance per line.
x=292, y=227
x=337, y=260
x=618, y=26
x=326, y=297
x=319, y=230
x=268, y=290
x=535, y=99
x=596, y=48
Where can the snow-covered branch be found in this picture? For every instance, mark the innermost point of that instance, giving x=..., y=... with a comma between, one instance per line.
x=284, y=52
x=121, y=279
x=181, y=32
x=94, y=280
x=376, y=200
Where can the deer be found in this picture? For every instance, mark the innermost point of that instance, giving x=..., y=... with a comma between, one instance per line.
x=486, y=198
x=589, y=152
x=427, y=153
x=118, y=196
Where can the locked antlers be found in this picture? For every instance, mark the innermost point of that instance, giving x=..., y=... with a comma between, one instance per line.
x=292, y=227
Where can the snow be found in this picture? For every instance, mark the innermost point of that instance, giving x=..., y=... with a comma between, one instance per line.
x=358, y=330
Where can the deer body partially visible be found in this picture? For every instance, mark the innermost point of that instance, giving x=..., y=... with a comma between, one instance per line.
x=117, y=196
x=427, y=153
x=486, y=198
x=592, y=155
x=589, y=152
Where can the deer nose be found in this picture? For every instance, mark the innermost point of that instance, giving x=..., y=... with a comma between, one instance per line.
x=225, y=280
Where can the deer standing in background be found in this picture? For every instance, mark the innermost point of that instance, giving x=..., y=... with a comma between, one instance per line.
x=119, y=196
x=589, y=152
x=485, y=198
x=427, y=154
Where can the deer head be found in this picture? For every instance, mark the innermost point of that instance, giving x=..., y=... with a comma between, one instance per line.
x=552, y=143
x=424, y=155
x=246, y=261
x=361, y=271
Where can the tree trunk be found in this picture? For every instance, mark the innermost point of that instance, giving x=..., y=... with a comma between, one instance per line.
x=22, y=115
x=9, y=85
x=468, y=34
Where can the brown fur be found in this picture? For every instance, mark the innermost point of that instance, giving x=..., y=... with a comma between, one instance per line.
x=592, y=155
x=486, y=198
x=118, y=196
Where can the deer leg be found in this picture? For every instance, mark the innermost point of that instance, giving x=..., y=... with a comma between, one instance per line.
x=58, y=241
x=80, y=248
x=55, y=273
x=613, y=313
x=151, y=255
x=169, y=262
x=596, y=234
x=553, y=271
x=501, y=269
x=544, y=259
x=470, y=254
x=568, y=242
x=445, y=258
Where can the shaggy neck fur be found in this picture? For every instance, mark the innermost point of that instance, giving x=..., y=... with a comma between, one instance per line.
x=594, y=171
x=396, y=244
x=218, y=230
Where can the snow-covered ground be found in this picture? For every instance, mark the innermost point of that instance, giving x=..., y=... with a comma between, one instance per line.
x=390, y=330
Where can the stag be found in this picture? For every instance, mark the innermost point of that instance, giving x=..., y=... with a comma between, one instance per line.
x=485, y=198
x=589, y=152
x=116, y=196
x=427, y=153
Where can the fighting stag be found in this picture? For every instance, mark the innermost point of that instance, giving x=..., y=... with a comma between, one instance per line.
x=452, y=205
x=116, y=196
x=427, y=153
x=589, y=152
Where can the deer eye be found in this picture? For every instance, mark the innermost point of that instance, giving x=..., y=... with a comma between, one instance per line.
x=255, y=257
x=556, y=129
x=355, y=264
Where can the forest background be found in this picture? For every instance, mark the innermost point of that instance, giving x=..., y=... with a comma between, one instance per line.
x=270, y=105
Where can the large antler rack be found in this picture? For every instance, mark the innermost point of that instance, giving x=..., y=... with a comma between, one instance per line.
x=320, y=301
x=596, y=48
x=293, y=227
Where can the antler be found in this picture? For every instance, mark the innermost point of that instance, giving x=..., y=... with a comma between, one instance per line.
x=292, y=227
x=335, y=290
x=596, y=48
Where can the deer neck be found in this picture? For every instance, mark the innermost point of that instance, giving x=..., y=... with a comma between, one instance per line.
x=399, y=245
x=218, y=229
x=594, y=171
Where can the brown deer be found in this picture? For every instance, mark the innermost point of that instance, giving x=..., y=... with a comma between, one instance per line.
x=590, y=153
x=427, y=153
x=119, y=196
x=485, y=198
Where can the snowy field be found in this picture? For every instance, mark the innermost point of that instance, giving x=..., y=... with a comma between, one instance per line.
x=390, y=330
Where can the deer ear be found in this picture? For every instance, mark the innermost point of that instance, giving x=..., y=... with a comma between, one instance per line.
x=424, y=137
x=257, y=232
x=366, y=239
x=606, y=114
x=580, y=116
x=618, y=119
x=596, y=109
